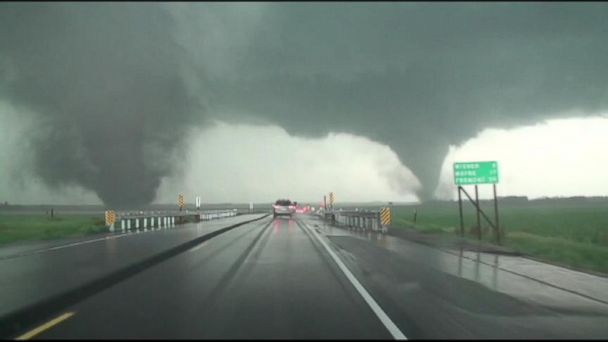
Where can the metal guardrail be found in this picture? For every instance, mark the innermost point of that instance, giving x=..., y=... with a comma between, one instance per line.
x=215, y=214
x=368, y=220
x=127, y=220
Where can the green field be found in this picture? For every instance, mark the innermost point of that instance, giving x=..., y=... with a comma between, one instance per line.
x=15, y=228
x=565, y=232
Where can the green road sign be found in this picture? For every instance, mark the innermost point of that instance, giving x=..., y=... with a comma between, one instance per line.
x=476, y=173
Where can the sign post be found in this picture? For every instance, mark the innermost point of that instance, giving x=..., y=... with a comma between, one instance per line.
x=498, y=232
x=385, y=218
x=180, y=202
x=460, y=210
x=110, y=219
x=478, y=219
x=475, y=173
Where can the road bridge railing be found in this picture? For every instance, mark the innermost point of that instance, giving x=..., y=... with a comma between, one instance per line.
x=377, y=220
x=127, y=220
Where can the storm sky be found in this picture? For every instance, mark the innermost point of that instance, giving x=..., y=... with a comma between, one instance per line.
x=113, y=95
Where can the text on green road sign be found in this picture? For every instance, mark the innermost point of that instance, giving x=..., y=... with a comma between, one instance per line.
x=476, y=173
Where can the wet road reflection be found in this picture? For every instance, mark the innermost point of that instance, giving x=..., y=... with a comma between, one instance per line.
x=458, y=293
x=516, y=276
x=264, y=280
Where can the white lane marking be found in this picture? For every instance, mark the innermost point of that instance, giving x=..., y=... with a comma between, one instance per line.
x=85, y=242
x=382, y=316
x=94, y=240
x=199, y=246
x=78, y=243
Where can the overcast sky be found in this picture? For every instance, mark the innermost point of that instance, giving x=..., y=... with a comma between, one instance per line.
x=114, y=102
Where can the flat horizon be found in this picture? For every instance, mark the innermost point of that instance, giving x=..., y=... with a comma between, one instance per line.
x=203, y=204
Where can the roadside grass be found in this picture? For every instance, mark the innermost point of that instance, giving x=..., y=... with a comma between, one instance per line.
x=578, y=255
x=572, y=235
x=15, y=228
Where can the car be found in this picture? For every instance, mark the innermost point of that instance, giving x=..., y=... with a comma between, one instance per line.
x=283, y=207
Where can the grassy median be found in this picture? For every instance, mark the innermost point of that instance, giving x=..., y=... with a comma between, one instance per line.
x=571, y=234
x=14, y=228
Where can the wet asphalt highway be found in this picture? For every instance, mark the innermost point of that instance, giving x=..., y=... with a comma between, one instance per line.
x=274, y=278
x=268, y=279
x=29, y=276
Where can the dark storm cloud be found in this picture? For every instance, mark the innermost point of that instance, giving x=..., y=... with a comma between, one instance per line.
x=419, y=76
x=105, y=81
x=115, y=90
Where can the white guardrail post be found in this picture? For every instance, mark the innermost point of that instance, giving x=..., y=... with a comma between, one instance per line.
x=159, y=219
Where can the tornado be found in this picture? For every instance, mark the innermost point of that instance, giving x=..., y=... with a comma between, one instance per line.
x=116, y=87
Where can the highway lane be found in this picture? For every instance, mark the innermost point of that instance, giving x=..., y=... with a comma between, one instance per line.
x=35, y=276
x=433, y=294
x=267, y=279
x=273, y=279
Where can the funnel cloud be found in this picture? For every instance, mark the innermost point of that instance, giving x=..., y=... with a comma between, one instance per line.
x=117, y=86
x=419, y=77
x=106, y=83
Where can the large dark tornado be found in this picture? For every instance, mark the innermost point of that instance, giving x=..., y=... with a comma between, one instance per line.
x=106, y=84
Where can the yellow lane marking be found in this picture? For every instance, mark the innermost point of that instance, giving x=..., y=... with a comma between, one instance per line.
x=45, y=326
